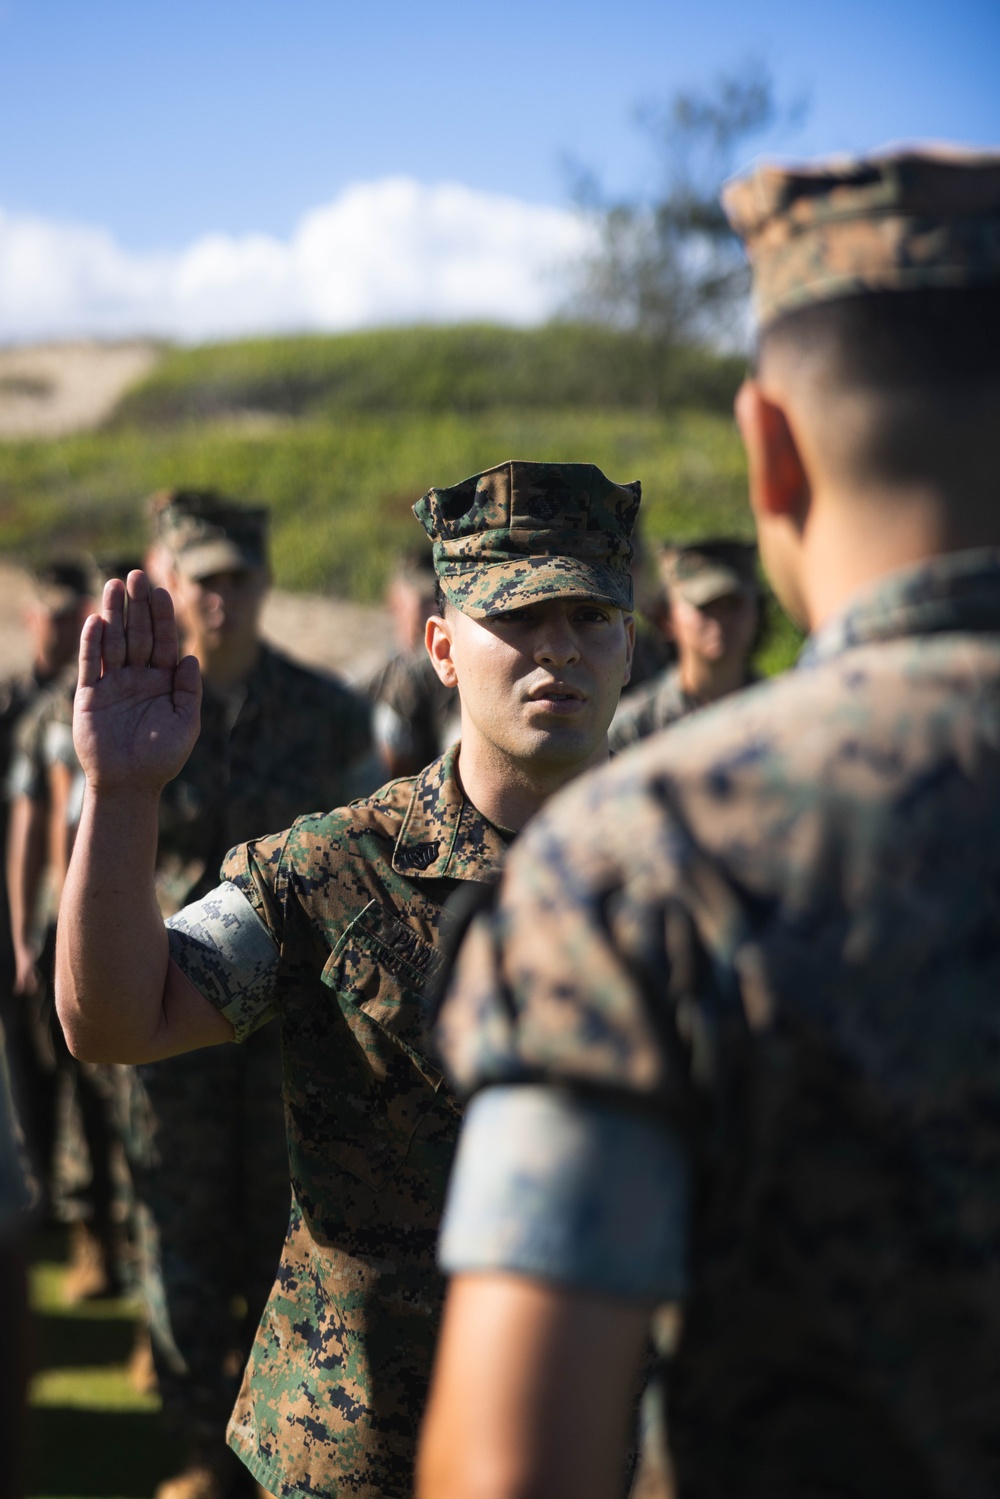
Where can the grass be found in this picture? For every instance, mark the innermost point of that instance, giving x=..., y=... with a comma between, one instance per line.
x=91, y=1436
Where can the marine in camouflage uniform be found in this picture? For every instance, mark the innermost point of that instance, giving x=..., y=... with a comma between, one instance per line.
x=18, y=1195
x=335, y=928
x=61, y=592
x=206, y=1130
x=416, y=715
x=72, y=1103
x=735, y=1016
x=719, y=573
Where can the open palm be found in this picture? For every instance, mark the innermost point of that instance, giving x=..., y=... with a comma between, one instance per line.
x=136, y=714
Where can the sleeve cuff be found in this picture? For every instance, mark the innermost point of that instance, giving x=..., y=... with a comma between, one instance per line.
x=223, y=947
x=565, y=1188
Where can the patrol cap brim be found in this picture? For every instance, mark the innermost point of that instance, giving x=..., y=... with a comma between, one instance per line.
x=219, y=555
x=706, y=587
x=55, y=598
x=484, y=590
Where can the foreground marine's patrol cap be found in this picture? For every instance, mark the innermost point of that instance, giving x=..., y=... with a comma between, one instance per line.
x=206, y=533
x=702, y=571
x=524, y=532
x=900, y=220
x=62, y=584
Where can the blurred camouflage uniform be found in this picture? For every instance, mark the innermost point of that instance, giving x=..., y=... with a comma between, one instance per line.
x=77, y=1125
x=773, y=935
x=416, y=716
x=335, y=927
x=206, y=1130
x=700, y=572
x=58, y=585
x=18, y=1195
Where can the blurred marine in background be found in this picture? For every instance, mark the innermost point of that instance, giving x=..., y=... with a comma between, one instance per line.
x=416, y=715
x=734, y=1029
x=42, y=1072
x=713, y=613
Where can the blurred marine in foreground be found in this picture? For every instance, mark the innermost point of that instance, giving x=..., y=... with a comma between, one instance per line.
x=734, y=1029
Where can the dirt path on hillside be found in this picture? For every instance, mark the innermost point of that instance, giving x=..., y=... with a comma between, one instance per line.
x=51, y=389
x=332, y=634
x=48, y=390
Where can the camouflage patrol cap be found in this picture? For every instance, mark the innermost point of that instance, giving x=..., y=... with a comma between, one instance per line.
x=62, y=584
x=701, y=571
x=523, y=532
x=207, y=533
x=896, y=221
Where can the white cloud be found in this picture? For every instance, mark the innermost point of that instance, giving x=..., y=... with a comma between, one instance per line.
x=382, y=252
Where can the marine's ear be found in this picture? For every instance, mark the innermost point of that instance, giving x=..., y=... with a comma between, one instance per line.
x=780, y=493
x=438, y=638
x=779, y=484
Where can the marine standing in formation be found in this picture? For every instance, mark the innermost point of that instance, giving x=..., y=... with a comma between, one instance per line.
x=733, y=1029
x=713, y=609
x=416, y=715
x=334, y=927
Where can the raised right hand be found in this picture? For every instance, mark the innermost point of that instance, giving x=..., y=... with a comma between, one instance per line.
x=136, y=714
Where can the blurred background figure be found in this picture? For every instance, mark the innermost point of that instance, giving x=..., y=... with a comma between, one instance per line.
x=655, y=649
x=17, y=1196
x=37, y=1058
x=206, y=1130
x=416, y=716
x=89, y=1181
x=713, y=617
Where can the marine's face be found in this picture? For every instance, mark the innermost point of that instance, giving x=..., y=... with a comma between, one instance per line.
x=56, y=632
x=222, y=608
x=539, y=683
x=721, y=630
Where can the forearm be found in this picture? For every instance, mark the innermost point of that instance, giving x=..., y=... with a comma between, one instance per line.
x=119, y=997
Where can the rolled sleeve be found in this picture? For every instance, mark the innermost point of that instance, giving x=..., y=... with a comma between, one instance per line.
x=221, y=944
x=563, y=1187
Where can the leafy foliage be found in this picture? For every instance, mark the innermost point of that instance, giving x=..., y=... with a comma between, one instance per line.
x=666, y=264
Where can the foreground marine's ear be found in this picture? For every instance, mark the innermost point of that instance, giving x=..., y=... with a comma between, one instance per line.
x=779, y=484
x=438, y=638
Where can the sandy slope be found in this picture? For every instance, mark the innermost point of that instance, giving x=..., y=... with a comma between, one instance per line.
x=51, y=389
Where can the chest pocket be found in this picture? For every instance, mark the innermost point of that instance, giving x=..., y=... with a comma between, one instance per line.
x=378, y=971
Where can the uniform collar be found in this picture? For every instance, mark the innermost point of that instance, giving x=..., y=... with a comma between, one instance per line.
x=956, y=591
x=443, y=835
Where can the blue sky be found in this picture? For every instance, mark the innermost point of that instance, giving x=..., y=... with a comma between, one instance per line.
x=158, y=123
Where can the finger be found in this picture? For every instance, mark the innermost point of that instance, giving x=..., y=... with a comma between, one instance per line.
x=113, y=614
x=138, y=621
x=161, y=608
x=91, y=637
x=187, y=687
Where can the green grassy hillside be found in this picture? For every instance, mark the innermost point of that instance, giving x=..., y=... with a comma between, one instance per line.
x=339, y=436
x=442, y=370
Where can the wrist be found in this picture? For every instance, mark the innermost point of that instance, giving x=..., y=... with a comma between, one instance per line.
x=135, y=795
